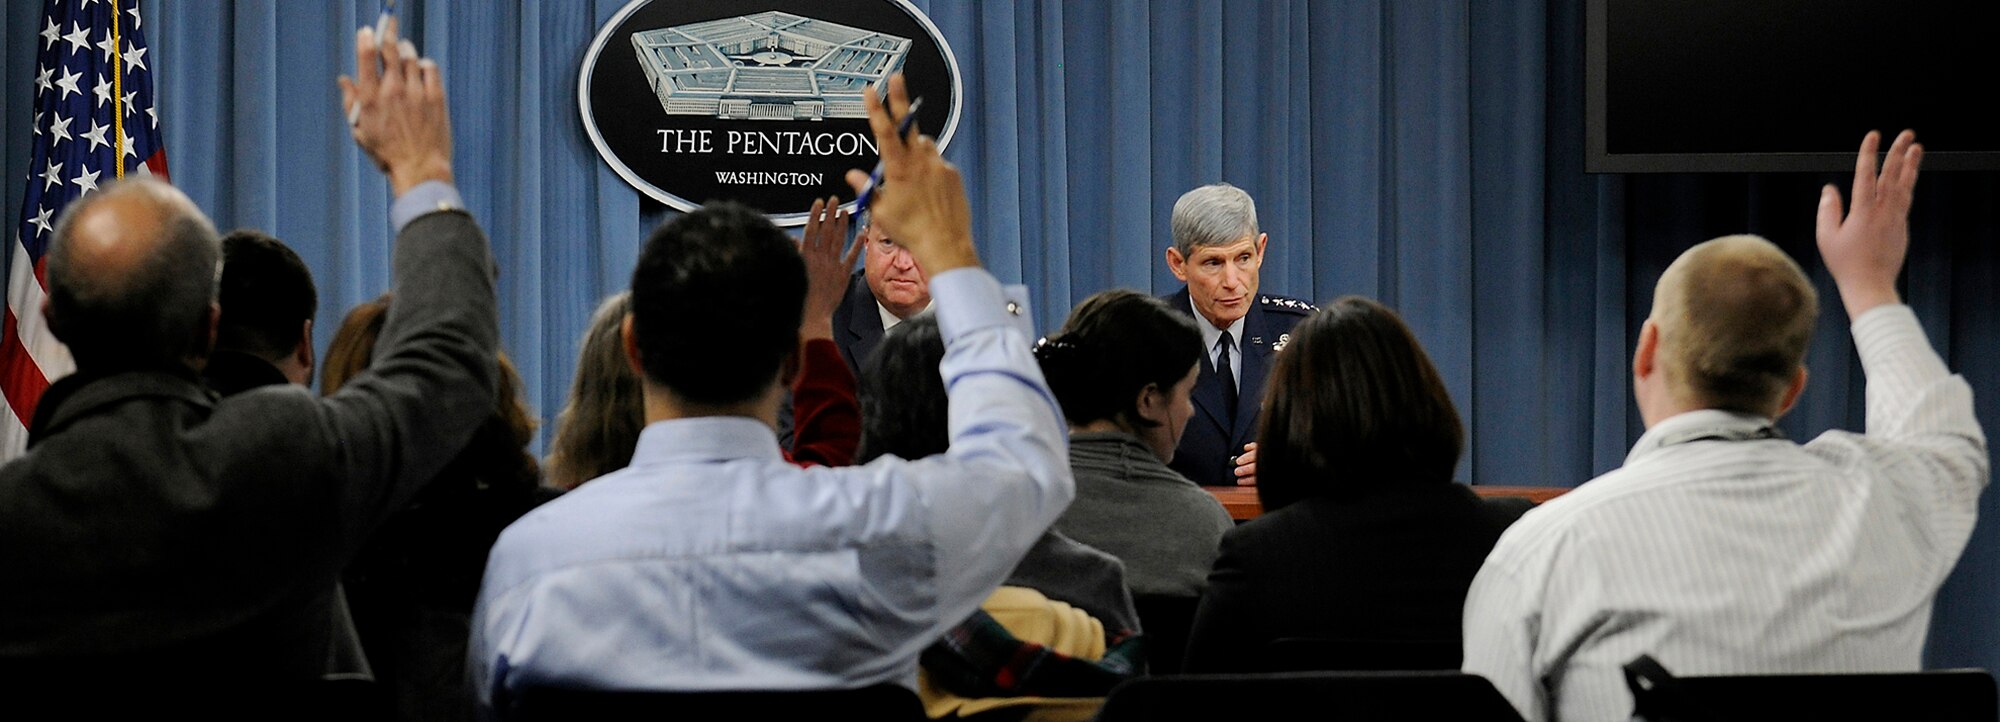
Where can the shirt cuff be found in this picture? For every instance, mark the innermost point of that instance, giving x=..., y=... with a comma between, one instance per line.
x=970, y=299
x=427, y=197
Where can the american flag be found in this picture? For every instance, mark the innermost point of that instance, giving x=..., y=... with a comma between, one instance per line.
x=94, y=121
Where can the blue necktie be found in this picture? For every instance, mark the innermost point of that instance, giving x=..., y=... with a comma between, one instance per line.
x=1227, y=375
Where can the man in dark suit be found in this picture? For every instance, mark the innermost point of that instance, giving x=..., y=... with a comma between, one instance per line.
x=268, y=301
x=889, y=287
x=1217, y=252
x=156, y=537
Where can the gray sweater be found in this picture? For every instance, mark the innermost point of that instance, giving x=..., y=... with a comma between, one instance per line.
x=1165, y=528
x=1067, y=571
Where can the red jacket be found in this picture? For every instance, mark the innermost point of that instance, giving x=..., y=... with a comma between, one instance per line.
x=826, y=427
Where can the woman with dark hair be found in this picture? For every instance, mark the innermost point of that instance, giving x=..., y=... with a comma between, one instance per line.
x=1122, y=367
x=412, y=585
x=1365, y=542
x=904, y=414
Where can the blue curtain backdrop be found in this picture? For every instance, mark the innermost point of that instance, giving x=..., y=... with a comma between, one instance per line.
x=1427, y=154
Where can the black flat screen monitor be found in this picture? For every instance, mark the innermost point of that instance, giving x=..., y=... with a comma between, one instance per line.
x=1788, y=85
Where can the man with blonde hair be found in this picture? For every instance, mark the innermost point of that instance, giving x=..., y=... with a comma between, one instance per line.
x=1720, y=547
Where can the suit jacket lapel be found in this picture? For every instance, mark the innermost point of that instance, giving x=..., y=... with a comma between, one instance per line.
x=1207, y=396
x=864, y=324
x=1207, y=392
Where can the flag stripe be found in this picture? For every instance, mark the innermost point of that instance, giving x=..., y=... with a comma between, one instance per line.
x=24, y=301
x=23, y=380
x=13, y=433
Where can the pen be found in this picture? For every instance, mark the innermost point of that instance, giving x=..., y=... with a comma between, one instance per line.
x=875, y=178
x=381, y=40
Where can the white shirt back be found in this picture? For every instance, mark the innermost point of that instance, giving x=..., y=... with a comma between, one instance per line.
x=1722, y=554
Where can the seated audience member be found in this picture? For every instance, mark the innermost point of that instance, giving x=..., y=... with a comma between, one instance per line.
x=263, y=338
x=1024, y=656
x=154, y=536
x=711, y=563
x=267, y=300
x=1721, y=547
x=412, y=585
x=1364, y=535
x=905, y=415
x=597, y=430
x=1122, y=366
x=1218, y=252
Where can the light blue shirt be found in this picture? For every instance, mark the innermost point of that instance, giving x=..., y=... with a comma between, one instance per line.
x=423, y=198
x=713, y=564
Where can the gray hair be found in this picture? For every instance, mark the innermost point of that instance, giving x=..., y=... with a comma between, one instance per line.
x=1213, y=215
x=150, y=315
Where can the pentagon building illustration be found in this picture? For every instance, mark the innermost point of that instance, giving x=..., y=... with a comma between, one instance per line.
x=767, y=66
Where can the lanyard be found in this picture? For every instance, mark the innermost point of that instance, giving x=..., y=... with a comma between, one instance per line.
x=1721, y=433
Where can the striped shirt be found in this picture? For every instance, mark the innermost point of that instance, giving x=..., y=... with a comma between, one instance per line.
x=1720, y=552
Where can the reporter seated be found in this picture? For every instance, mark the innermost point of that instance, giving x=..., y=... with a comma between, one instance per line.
x=412, y=584
x=710, y=563
x=1123, y=366
x=1039, y=644
x=153, y=533
x=1364, y=536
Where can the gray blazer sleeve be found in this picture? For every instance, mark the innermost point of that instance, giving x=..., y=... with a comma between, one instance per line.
x=431, y=383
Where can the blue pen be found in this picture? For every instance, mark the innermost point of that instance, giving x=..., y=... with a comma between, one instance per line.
x=875, y=178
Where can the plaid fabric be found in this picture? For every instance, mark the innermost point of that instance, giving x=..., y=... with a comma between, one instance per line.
x=980, y=658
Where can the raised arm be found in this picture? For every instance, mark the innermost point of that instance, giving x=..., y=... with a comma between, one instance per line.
x=432, y=382
x=1914, y=401
x=1006, y=475
x=826, y=424
x=1864, y=252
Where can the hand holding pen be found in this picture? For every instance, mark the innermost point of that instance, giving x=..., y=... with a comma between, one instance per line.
x=875, y=178
x=916, y=197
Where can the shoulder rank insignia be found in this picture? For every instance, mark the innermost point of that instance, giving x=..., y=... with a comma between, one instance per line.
x=1287, y=304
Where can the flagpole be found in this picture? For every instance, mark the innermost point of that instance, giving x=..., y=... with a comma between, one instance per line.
x=118, y=93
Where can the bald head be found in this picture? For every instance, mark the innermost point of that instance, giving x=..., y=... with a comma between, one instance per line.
x=132, y=278
x=1734, y=316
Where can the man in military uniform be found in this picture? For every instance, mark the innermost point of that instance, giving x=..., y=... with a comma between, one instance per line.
x=1217, y=252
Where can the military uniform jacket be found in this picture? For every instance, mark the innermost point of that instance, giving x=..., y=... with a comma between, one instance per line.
x=1211, y=440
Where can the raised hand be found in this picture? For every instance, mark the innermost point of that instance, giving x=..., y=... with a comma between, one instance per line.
x=1865, y=252
x=395, y=107
x=827, y=268
x=921, y=202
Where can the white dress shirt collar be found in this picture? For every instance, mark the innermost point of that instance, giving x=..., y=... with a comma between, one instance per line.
x=706, y=439
x=1696, y=425
x=889, y=320
x=1210, y=336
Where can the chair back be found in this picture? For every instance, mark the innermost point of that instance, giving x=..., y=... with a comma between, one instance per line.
x=1302, y=654
x=1355, y=696
x=1954, y=695
x=879, y=702
x=1166, y=621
